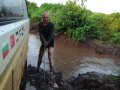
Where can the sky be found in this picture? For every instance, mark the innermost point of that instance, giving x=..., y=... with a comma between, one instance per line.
x=103, y=6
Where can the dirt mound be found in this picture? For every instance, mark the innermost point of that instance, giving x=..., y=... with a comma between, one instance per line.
x=46, y=80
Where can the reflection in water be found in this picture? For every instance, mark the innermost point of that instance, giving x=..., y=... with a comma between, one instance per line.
x=34, y=45
x=71, y=59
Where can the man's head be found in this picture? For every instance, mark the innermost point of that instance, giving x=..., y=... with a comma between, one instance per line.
x=45, y=17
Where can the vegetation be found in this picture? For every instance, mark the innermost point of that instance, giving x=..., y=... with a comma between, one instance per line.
x=78, y=22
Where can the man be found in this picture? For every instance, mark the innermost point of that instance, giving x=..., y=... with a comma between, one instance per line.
x=46, y=32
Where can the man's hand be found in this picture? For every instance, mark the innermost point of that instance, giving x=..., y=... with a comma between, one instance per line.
x=45, y=43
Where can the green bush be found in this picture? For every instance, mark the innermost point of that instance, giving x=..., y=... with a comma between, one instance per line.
x=116, y=39
x=77, y=34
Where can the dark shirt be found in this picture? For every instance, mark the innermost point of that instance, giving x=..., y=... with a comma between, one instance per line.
x=47, y=31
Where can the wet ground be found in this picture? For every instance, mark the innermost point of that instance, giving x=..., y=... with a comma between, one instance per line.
x=72, y=59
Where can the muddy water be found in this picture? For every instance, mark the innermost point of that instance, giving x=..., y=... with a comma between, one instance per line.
x=72, y=59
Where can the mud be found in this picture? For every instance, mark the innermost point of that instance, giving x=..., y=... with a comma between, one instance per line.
x=53, y=80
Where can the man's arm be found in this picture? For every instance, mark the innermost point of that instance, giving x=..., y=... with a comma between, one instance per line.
x=41, y=35
x=51, y=34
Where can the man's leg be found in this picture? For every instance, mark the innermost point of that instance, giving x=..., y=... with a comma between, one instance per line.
x=50, y=56
x=41, y=52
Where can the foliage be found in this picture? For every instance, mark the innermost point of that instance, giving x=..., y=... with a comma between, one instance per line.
x=116, y=39
x=114, y=23
x=33, y=11
x=74, y=17
x=78, y=34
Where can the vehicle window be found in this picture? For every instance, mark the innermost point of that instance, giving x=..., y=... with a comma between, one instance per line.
x=10, y=9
